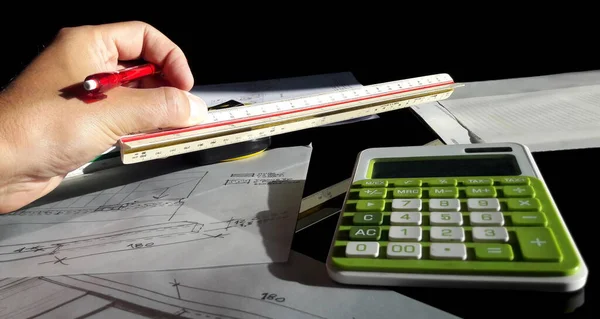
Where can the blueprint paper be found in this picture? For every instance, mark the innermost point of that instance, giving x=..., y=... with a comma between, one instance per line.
x=298, y=289
x=164, y=214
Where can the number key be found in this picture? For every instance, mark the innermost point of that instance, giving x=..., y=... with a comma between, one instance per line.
x=444, y=205
x=362, y=249
x=410, y=233
x=486, y=219
x=483, y=204
x=447, y=233
x=404, y=250
x=450, y=218
x=490, y=234
x=399, y=205
x=405, y=218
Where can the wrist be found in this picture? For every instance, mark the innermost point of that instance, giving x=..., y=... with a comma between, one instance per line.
x=8, y=163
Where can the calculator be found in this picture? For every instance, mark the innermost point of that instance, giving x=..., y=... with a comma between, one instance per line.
x=462, y=216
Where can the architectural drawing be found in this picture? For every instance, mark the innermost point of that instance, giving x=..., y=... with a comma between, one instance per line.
x=166, y=220
x=243, y=292
x=162, y=191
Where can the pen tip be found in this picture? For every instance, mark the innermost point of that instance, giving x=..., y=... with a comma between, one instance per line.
x=90, y=85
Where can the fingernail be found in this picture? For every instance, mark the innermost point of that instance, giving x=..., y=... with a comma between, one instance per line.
x=198, y=109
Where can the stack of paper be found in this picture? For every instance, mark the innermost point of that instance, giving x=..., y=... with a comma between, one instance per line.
x=545, y=113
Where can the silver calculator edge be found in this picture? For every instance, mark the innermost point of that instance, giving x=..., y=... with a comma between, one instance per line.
x=528, y=167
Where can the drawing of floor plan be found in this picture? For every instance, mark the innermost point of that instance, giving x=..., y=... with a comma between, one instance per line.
x=164, y=220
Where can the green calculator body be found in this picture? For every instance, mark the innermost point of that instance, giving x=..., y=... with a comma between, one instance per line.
x=465, y=216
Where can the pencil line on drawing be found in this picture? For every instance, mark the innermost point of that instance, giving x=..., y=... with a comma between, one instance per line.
x=248, y=297
x=107, y=234
x=166, y=296
x=128, y=249
x=85, y=221
x=132, y=294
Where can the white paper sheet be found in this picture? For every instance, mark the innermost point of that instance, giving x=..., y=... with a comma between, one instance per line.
x=160, y=215
x=299, y=289
x=556, y=119
x=550, y=112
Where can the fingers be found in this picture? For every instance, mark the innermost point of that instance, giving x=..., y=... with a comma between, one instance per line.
x=138, y=40
x=142, y=110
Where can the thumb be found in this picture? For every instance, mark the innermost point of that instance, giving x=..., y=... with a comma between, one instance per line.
x=140, y=110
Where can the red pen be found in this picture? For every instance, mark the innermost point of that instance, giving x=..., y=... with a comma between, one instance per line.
x=102, y=82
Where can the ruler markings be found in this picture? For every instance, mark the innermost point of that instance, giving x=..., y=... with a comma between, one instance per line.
x=245, y=123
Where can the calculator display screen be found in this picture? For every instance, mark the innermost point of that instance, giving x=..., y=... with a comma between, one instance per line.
x=500, y=165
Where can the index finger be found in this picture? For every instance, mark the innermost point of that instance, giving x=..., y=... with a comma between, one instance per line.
x=139, y=40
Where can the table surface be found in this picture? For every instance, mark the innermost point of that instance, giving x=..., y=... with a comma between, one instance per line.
x=334, y=153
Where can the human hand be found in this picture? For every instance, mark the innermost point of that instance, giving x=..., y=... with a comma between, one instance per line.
x=43, y=136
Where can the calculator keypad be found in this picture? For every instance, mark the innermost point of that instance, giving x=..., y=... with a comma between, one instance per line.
x=459, y=224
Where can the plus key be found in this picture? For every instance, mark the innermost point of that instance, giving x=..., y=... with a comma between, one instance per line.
x=538, y=244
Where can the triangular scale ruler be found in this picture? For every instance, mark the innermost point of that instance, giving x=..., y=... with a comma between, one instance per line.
x=244, y=123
